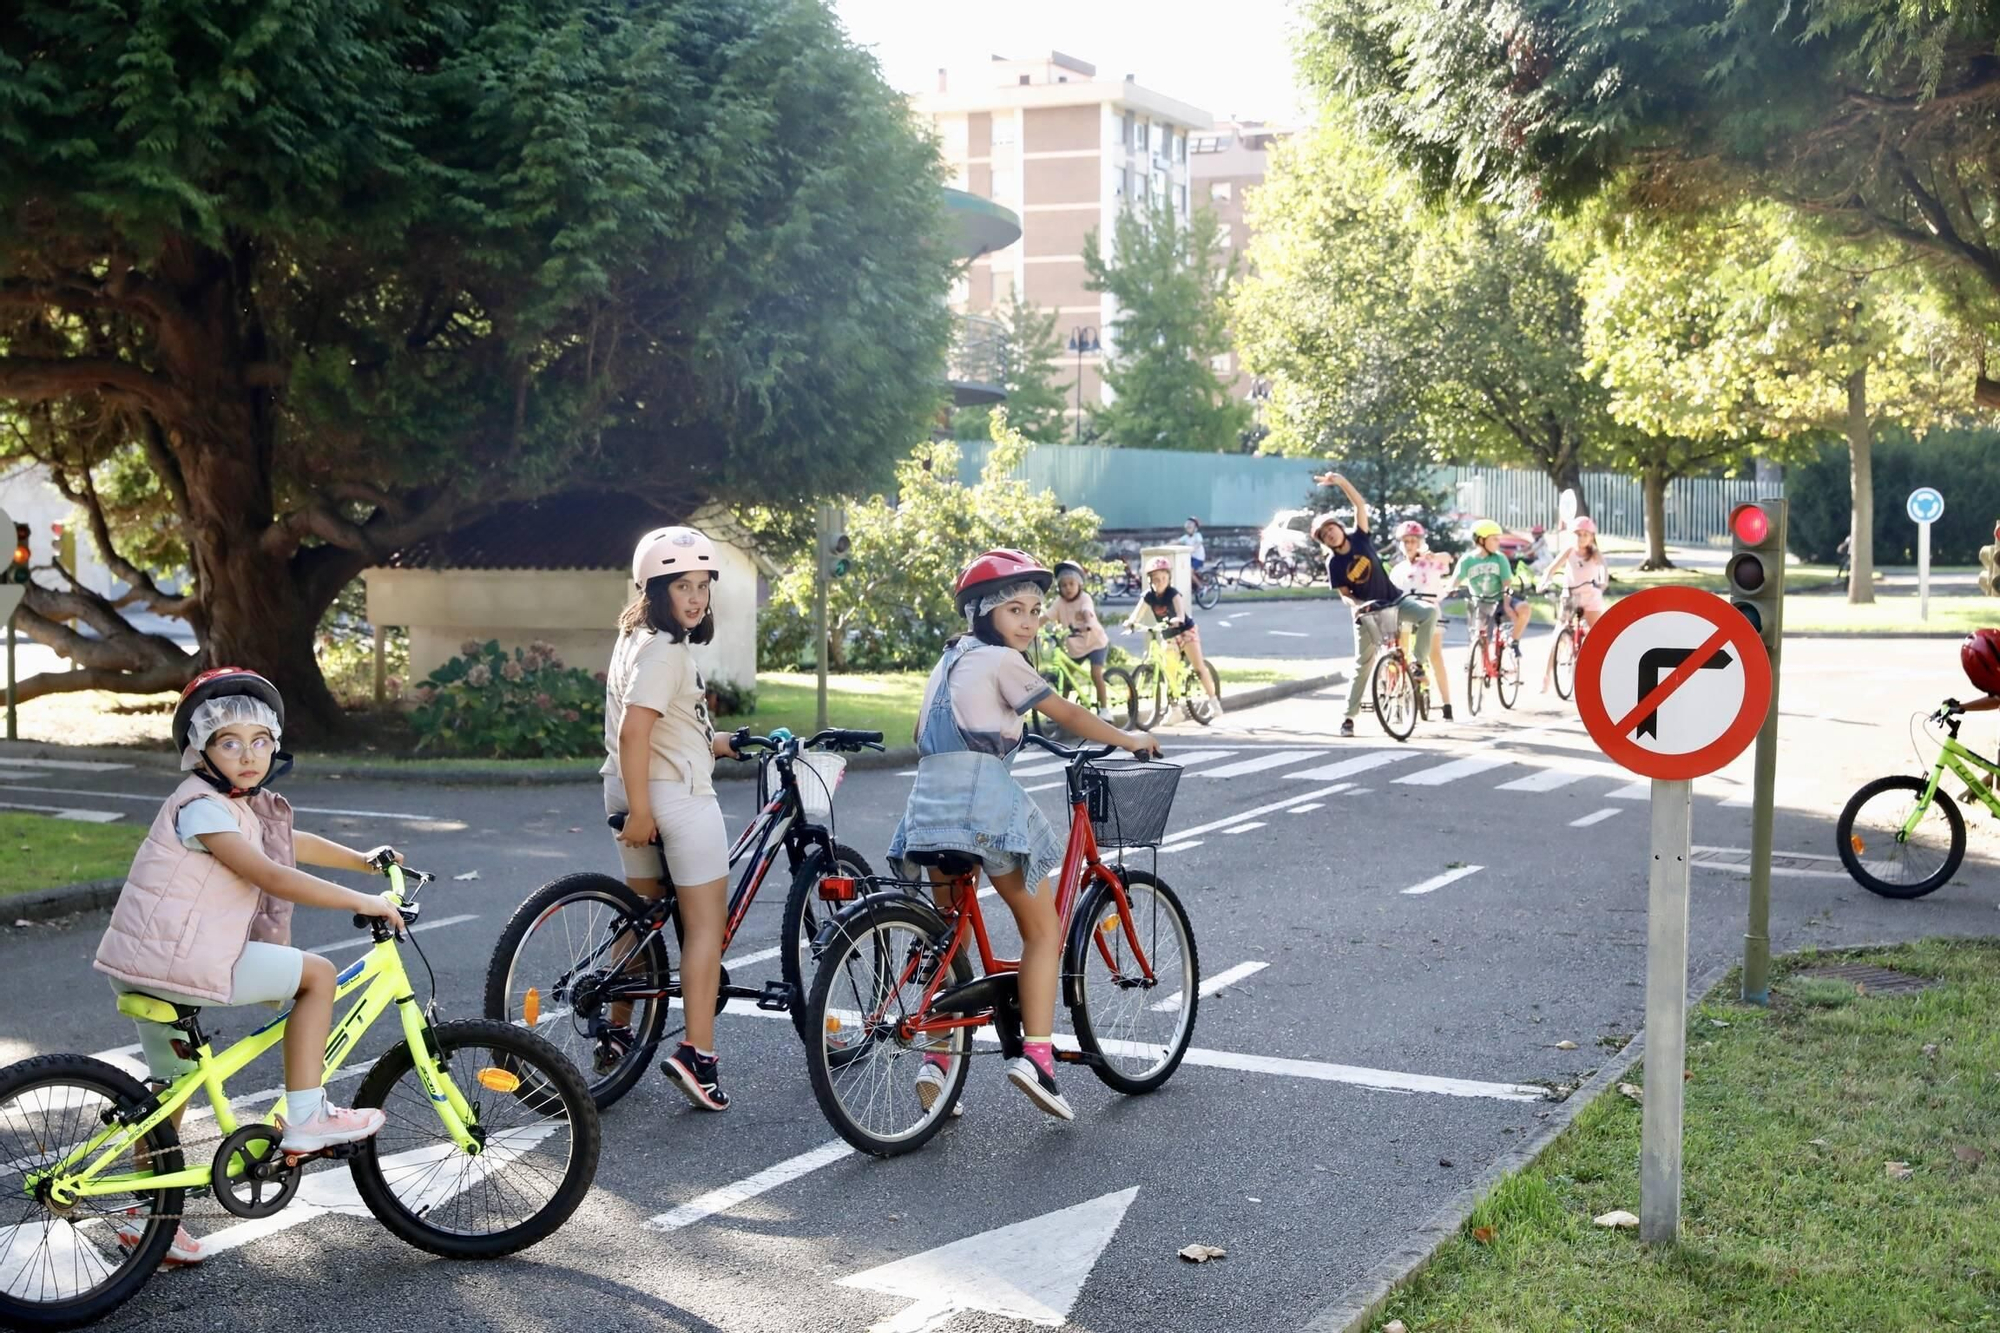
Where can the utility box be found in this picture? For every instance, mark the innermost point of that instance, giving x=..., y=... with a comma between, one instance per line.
x=1183, y=575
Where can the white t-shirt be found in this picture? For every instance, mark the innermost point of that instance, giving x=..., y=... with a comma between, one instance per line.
x=991, y=689
x=653, y=671
x=1197, y=548
x=204, y=814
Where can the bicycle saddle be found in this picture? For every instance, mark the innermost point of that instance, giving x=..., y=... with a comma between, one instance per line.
x=153, y=1009
x=952, y=863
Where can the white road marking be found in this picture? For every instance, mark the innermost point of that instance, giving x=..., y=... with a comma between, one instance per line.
x=1594, y=817
x=1185, y=759
x=1211, y=985
x=1289, y=633
x=1456, y=769
x=1547, y=779
x=1042, y=786
x=154, y=798
x=1181, y=846
x=1268, y=759
x=1347, y=768
x=1030, y=1271
x=368, y=942
x=1633, y=791
x=63, y=811
x=69, y=765
x=1436, y=882
x=1241, y=815
x=1359, y=791
x=1307, y=808
x=762, y=955
x=1245, y=828
x=722, y=1200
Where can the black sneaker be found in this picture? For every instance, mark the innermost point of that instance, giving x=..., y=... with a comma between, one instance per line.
x=1347, y=726
x=1026, y=1075
x=695, y=1077
x=1447, y=712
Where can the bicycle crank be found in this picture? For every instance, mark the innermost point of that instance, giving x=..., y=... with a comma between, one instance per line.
x=252, y=1175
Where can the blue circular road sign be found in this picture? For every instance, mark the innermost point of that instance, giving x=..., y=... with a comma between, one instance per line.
x=1925, y=505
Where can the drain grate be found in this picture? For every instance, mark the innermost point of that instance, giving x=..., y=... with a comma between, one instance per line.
x=1876, y=980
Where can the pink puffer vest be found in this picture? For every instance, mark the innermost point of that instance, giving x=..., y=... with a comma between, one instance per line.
x=183, y=917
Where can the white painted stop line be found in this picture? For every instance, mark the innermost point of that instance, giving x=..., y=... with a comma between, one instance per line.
x=1347, y=768
x=1268, y=759
x=1456, y=769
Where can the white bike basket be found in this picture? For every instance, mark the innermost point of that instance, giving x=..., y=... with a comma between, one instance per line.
x=818, y=774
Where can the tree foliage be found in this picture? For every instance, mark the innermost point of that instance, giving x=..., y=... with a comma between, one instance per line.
x=287, y=286
x=1030, y=371
x=1170, y=281
x=894, y=608
x=1880, y=118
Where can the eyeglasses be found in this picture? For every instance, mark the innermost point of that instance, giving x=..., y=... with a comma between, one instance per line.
x=231, y=746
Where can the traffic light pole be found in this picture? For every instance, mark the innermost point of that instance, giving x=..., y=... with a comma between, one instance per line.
x=1764, y=781
x=822, y=540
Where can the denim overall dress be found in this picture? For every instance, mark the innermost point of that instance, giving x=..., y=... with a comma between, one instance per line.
x=967, y=801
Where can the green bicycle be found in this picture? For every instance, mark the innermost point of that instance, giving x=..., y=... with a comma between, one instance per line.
x=1903, y=836
x=490, y=1145
x=1166, y=678
x=1070, y=679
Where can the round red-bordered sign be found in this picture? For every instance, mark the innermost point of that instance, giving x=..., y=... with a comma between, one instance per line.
x=1672, y=683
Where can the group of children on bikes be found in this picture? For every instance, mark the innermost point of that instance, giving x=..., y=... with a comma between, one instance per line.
x=1414, y=585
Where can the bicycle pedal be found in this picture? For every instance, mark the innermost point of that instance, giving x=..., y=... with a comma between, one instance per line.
x=1084, y=1058
x=777, y=997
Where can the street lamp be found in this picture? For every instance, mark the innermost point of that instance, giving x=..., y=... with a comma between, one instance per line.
x=1082, y=338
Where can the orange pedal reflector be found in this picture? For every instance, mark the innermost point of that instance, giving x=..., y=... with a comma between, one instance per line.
x=1854, y=841
x=836, y=889
x=499, y=1080
x=531, y=1006
x=833, y=1023
x=1109, y=925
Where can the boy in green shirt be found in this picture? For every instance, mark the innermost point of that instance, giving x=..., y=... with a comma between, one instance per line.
x=1488, y=575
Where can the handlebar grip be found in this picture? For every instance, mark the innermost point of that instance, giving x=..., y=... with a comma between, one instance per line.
x=617, y=822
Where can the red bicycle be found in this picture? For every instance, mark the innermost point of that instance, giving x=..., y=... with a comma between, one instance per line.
x=1569, y=642
x=1495, y=660
x=894, y=982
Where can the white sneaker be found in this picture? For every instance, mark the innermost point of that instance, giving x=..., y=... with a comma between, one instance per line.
x=129, y=1227
x=332, y=1127
x=931, y=1084
x=1026, y=1075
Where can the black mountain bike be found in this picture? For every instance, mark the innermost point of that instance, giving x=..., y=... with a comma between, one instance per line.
x=586, y=963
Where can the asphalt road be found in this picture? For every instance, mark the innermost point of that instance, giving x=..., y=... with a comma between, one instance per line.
x=1373, y=1048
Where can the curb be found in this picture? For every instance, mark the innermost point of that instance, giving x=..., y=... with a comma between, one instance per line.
x=544, y=776
x=63, y=899
x=1357, y=1307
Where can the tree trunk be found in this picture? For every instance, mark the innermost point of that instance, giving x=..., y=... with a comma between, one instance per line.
x=1861, y=485
x=1565, y=471
x=1654, y=481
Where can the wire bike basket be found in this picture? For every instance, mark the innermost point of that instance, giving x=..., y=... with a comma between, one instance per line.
x=818, y=774
x=1130, y=800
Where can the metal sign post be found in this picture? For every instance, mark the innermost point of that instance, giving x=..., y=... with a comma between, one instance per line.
x=822, y=551
x=1925, y=507
x=1673, y=683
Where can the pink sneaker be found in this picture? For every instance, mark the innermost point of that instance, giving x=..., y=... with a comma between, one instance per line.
x=131, y=1231
x=331, y=1127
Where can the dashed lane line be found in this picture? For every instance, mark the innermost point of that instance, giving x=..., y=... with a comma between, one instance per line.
x=154, y=798
x=1436, y=882
x=1594, y=817
x=1210, y=985
x=367, y=942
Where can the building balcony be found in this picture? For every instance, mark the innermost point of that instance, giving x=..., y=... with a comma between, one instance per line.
x=980, y=226
x=976, y=366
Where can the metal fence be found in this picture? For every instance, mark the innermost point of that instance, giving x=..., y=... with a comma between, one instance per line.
x=1697, y=507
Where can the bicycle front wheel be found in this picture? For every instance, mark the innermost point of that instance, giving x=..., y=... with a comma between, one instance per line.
x=1565, y=661
x=865, y=1072
x=804, y=916
x=1475, y=676
x=1508, y=682
x=62, y=1268
x=1149, y=696
x=1395, y=696
x=560, y=959
x=536, y=1129
x=1203, y=704
x=1122, y=694
x=1869, y=837
x=1136, y=1029
x=1207, y=591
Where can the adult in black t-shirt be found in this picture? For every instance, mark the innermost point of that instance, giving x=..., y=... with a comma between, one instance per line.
x=1355, y=571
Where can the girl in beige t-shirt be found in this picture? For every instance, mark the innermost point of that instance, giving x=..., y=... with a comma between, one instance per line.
x=656, y=723
x=1084, y=640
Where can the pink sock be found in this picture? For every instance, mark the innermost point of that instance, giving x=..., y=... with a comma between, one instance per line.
x=1043, y=1053
x=937, y=1058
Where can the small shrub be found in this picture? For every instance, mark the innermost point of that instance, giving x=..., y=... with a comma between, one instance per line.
x=527, y=705
x=728, y=699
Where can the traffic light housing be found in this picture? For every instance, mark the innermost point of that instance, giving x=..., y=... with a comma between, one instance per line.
x=835, y=550
x=1989, y=565
x=1755, y=573
x=17, y=572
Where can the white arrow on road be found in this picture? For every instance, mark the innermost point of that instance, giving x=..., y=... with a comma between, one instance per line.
x=1028, y=1270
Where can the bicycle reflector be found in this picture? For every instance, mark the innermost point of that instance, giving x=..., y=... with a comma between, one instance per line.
x=1756, y=569
x=498, y=1080
x=531, y=1007
x=836, y=889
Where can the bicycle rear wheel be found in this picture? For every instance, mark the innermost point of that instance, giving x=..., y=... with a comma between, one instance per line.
x=804, y=915
x=1508, y=683
x=871, y=979
x=1207, y=591
x=1395, y=696
x=536, y=1127
x=1475, y=675
x=557, y=954
x=1137, y=1030
x=1123, y=695
x=65, y=1268
x=1040, y=723
x=1565, y=661
x=1868, y=836
x=1149, y=696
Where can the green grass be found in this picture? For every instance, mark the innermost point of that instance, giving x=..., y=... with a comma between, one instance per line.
x=37, y=852
x=1789, y=1223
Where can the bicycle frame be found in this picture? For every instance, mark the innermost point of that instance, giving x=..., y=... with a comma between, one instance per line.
x=380, y=978
x=1073, y=678
x=1176, y=671
x=1954, y=756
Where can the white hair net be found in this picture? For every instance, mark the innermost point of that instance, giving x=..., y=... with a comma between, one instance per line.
x=992, y=601
x=230, y=710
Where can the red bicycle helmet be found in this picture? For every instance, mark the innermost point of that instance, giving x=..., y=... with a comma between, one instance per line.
x=215, y=684
x=997, y=569
x=1979, y=654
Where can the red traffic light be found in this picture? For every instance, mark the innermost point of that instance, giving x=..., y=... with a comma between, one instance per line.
x=1750, y=524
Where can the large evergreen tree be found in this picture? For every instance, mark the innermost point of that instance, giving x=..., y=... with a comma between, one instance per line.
x=285, y=286
x=1170, y=280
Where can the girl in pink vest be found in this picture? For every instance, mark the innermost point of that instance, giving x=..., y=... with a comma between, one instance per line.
x=205, y=915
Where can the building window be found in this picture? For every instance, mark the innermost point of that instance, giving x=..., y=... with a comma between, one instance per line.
x=1180, y=146
x=1129, y=126
x=1219, y=192
x=1003, y=185
x=1024, y=80
x=1145, y=143
x=1004, y=129
x=1120, y=183
x=1160, y=186
x=1180, y=200
x=951, y=130
x=1225, y=235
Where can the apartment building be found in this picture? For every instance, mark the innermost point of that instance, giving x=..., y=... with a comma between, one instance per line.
x=1225, y=164
x=1065, y=149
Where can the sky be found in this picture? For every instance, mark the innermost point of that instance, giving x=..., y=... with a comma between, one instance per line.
x=1230, y=59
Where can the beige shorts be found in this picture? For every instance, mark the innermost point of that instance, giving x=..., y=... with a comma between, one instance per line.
x=264, y=974
x=692, y=838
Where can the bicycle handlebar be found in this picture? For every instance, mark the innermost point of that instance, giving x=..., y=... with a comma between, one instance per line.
x=833, y=738
x=1084, y=752
x=384, y=861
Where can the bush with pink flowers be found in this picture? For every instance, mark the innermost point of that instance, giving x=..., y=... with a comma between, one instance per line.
x=494, y=704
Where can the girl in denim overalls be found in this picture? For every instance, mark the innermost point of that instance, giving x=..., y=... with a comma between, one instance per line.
x=965, y=800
